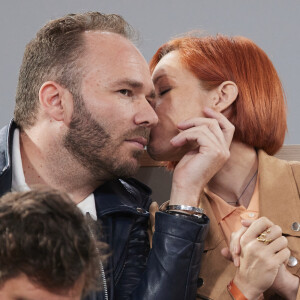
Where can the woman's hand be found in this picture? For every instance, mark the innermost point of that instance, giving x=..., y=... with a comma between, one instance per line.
x=286, y=284
x=260, y=263
x=234, y=250
x=209, y=140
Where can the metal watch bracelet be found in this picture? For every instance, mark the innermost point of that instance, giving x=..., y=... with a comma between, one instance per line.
x=190, y=209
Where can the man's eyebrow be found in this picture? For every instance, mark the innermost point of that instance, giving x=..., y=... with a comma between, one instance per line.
x=129, y=82
x=135, y=85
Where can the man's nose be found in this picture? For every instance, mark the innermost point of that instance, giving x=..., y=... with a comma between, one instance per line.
x=146, y=116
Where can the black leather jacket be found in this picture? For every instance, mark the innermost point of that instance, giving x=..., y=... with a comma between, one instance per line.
x=169, y=271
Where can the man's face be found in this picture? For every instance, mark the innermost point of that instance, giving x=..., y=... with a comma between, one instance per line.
x=112, y=117
x=21, y=288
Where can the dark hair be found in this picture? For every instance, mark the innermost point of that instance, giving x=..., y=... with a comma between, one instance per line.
x=44, y=236
x=259, y=112
x=54, y=54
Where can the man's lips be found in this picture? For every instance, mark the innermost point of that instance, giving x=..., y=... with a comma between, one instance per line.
x=138, y=141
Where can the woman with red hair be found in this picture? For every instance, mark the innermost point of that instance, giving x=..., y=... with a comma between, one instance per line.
x=202, y=84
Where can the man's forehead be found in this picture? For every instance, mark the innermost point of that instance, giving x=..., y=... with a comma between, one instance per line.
x=112, y=50
x=99, y=34
x=103, y=40
x=114, y=59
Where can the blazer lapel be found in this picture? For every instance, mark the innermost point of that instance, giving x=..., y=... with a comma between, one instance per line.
x=215, y=235
x=278, y=193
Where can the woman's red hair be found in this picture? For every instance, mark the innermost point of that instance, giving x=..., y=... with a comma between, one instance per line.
x=259, y=112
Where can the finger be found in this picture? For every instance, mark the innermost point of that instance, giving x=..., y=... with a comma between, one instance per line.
x=282, y=256
x=278, y=245
x=235, y=245
x=193, y=122
x=211, y=124
x=198, y=121
x=226, y=126
x=222, y=120
x=247, y=223
x=201, y=136
x=152, y=210
x=237, y=249
x=273, y=232
x=226, y=253
x=255, y=229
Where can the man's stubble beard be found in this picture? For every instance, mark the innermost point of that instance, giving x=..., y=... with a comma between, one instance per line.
x=93, y=147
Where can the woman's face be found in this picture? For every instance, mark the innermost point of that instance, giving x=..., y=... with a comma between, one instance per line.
x=179, y=97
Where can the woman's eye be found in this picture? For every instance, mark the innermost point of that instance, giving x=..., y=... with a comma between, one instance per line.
x=126, y=92
x=164, y=91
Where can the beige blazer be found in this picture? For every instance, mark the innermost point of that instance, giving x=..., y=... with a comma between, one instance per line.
x=279, y=200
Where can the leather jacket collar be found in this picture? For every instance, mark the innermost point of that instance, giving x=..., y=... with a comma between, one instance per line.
x=6, y=139
x=120, y=195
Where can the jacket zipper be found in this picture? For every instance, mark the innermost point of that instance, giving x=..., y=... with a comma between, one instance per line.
x=102, y=272
x=123, y=267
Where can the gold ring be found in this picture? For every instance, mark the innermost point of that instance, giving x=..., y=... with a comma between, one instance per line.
x=263, y=237
x=268, y=241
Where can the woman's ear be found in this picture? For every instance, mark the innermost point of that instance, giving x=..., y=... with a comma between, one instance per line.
x=227, y=93
x=56, y=101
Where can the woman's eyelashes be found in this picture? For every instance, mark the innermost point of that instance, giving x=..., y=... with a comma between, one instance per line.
x=164, y=90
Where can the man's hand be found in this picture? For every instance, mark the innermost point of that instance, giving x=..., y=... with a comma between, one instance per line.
x=209, y=140
x=260, y=262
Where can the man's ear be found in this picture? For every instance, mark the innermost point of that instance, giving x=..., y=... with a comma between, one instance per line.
x=227, y=93
x=56, y=101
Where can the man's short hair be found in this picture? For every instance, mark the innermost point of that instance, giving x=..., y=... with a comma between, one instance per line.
x=54, y=54
x=44, y=236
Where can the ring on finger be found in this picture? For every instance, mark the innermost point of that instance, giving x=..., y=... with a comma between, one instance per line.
x=264, y=240
x=263, y=237
x=268, y=241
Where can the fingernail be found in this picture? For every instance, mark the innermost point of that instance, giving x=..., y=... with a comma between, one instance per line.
x=181, y=123
x=236, y=261
x=173, y=139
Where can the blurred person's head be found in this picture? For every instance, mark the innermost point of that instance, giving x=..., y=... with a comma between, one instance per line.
x=229, y=74
x=46, y=251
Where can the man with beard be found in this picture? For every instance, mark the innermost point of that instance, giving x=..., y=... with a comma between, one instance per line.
x=82, y=118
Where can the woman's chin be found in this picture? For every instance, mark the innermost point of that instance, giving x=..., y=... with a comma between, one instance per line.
x=163, y=155
x=155, y=155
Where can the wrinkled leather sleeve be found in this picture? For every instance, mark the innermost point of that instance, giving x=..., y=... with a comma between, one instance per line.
x=173, y=265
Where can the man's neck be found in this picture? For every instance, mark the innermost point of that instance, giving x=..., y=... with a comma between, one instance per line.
x=236, y=180
x=46, y=162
